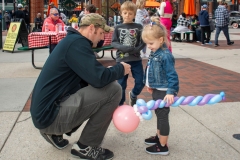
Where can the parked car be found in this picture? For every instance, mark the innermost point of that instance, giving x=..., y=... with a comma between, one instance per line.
x=234, y=19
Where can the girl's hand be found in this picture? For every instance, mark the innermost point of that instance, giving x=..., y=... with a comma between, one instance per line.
x=150, y=90
x=169, y=98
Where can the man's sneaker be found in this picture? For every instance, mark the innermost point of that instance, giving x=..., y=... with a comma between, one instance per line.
x=132, y=100
x=216, y=45
x=203, y=44
x=94, y=153
x=152, y=140
x=158, y=149
x=230, y=43
x=56, y=141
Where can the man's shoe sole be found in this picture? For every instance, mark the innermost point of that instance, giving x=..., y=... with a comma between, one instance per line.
x=77, y=157
x=159, y=153
x=49, y=140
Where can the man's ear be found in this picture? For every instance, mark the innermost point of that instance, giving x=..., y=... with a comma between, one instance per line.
x=91, y=28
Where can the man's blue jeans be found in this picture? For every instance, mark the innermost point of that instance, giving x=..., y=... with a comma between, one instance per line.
x=137, y=73
x=225, y=31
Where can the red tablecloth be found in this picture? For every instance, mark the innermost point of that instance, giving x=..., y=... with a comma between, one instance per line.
x=41, y=39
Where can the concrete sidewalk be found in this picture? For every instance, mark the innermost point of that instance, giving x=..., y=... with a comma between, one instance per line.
x=201, y=132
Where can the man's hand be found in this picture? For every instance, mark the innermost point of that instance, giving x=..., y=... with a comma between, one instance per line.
x=127, y=68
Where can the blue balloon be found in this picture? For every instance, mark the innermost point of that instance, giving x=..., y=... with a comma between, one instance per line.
x=196, y=101
x=140, y=102
x=178, y=102
x=150, y=104
x=215, y=99
x=162, y=104
x=147, y=115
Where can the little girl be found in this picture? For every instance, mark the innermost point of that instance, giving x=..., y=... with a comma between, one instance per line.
x=161, y=80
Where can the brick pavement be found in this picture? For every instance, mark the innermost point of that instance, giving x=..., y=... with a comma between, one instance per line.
x=196, y=78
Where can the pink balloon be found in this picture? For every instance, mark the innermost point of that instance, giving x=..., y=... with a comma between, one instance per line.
x=125, y=119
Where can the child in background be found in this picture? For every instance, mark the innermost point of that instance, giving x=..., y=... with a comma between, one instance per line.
x=142, y=18
x=161, y=80
x=127, y=40
x=74, y=19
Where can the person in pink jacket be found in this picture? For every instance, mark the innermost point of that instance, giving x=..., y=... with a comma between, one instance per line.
x=166, y=11
x=52, y=20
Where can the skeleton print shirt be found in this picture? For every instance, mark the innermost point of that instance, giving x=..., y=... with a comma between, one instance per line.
x=128, y=42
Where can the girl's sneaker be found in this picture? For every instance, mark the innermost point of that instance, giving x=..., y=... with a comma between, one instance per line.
x=158, y=149
x=152, y=140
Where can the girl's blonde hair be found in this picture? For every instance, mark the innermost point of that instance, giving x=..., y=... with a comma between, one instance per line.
x=129, y=5
x=140, y=4
x=155, y=30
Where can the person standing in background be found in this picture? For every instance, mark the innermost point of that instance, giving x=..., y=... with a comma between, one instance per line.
x=222, y=21
x=166, y=11
x=204, y=24
x=19, y=14
x=142, y=18
x=26, y=17
x=1, y=14
x=7, y=19
x=64, y=17
x=38, y=22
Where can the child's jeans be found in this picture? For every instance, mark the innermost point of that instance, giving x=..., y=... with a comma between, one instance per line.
x=161, y=113
x=137, y=73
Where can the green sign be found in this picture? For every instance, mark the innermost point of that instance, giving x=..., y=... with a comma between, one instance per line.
x=69, y=5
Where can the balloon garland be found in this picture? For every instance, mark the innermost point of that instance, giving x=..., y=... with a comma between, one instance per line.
x=143, y=109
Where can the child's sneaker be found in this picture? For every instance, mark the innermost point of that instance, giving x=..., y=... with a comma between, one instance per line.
x=158, y=149
x=91, y=153
x=152, y=140
x=132, y=100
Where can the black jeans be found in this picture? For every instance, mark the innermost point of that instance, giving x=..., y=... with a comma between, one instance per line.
x=207, y=30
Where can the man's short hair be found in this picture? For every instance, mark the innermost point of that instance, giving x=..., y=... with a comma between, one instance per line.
x=91, y=8
x=129, y=5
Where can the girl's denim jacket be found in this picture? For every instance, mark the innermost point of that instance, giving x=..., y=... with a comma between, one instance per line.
x=161, y=72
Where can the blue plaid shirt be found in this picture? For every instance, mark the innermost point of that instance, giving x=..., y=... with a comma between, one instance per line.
x=222, y=16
